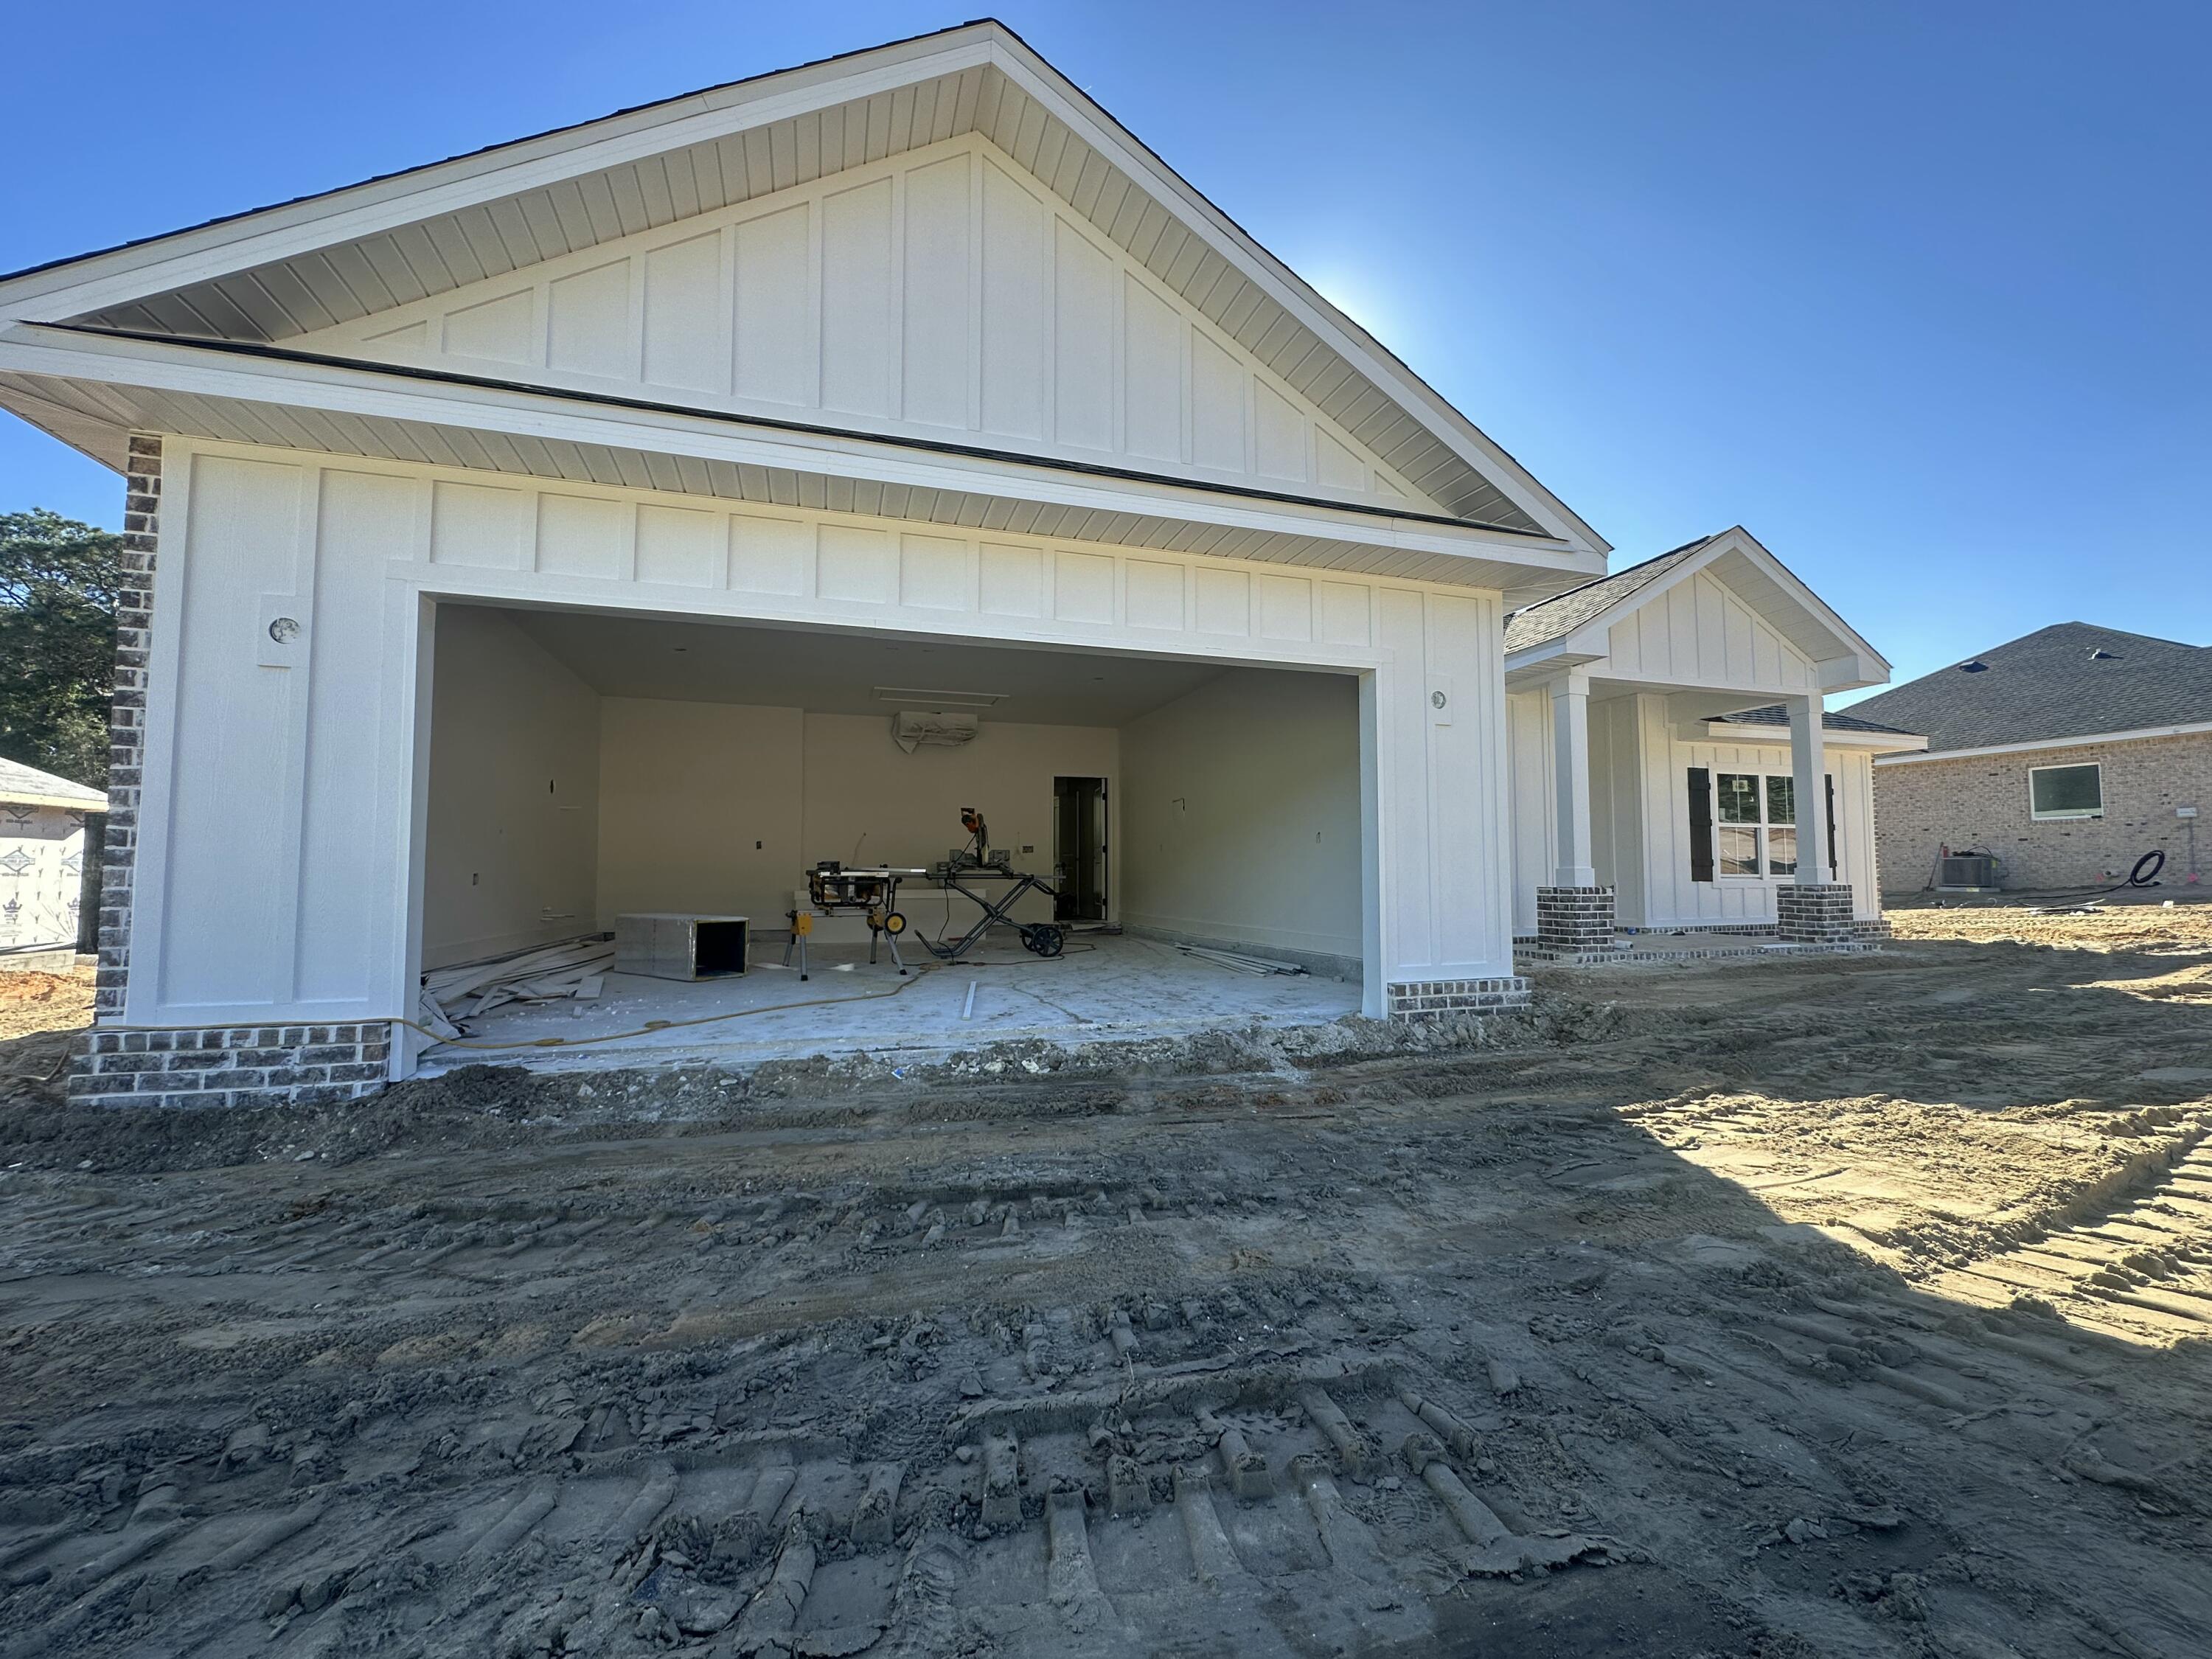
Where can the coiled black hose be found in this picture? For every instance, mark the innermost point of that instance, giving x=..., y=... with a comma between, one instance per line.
x=2145, y=874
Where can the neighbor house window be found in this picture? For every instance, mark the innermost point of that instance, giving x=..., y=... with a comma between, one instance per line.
x=1755, y=824
x=2066, y=792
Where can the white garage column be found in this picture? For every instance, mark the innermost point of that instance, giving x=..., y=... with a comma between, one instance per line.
x=1574, y=914
x=1810, y=908
x=1438, y=865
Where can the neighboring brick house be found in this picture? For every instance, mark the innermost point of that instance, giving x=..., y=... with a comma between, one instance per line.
x=42, y=835
x=2069, y=754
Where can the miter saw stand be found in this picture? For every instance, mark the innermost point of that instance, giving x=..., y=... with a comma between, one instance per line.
x=978, y=861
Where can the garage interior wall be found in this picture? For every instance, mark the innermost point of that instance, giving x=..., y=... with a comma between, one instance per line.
x=690, y=788
x=512, y=854
x=1234, y=809
x=1240, y=818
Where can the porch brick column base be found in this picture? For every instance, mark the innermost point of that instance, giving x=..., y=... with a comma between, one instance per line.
x=231, y=1066
x=1575, y=920
x=1435, y=999
x=1815, y=914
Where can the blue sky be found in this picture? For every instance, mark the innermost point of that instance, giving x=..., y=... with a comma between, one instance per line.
x=1916, y=292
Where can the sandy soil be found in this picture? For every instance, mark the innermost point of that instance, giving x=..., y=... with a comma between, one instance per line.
x=1801, y=1307
x=39, y=1016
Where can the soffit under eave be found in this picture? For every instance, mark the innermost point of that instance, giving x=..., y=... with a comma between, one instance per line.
x=98, y=417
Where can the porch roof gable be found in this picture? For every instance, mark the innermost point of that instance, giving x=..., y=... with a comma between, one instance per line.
x=1576, y=627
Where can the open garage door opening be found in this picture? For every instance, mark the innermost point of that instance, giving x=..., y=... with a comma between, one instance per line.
x=629, y=818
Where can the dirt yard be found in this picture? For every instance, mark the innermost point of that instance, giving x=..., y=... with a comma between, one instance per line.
x=1846, y=1306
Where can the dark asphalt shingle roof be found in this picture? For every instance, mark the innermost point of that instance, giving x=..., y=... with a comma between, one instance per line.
x=1834, y=720
x=1563, y=613
x=2052, y=684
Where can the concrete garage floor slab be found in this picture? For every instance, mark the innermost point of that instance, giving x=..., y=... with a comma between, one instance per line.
x=1106, y=987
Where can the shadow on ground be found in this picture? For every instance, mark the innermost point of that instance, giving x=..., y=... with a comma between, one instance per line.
x=1827, y=1306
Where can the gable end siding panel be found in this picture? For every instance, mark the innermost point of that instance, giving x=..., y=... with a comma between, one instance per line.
x=938, y=293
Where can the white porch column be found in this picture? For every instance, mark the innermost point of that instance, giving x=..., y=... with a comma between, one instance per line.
x=1807, y=754
x=1572, y=861
x=1813, y=907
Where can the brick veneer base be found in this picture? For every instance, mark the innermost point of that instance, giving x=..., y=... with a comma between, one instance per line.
x=1434, y=998
x=232, y=1066
x=1819, y=914
x=1574, y=924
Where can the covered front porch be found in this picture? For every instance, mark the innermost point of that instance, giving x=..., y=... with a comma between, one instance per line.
x=1675, y=777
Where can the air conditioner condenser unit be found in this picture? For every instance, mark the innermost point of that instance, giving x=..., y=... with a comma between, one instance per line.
x=1973, y=870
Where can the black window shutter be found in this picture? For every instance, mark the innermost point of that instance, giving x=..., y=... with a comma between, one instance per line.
x=1701, y=824
x=1830, y=781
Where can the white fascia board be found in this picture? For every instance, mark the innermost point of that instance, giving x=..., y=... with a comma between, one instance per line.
x=1874, y=668
x=2195, y=728
x=1288, y=289
x=72, y=803
x=139, y=271
x=1549, y=658
x=1880, y=742
x=212, y=371
x=1851, y=673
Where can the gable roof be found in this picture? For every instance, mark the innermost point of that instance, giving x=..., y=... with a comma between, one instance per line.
x=1573, y=626
x=291, y=268
x=26, y=785
x=2070, y=680
x=1562, y=614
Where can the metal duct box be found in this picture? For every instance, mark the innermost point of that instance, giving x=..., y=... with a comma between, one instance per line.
x=663, y=945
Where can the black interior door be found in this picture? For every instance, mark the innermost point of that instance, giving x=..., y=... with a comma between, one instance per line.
x=1079, y=848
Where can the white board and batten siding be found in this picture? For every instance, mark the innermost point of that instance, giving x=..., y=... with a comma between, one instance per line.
x=1640, y=814
x=943, y=294
x=1699, y=633
x=1678, y=899
x=284, y=794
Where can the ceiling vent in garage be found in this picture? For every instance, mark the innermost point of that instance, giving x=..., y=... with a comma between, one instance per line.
x=941, y=729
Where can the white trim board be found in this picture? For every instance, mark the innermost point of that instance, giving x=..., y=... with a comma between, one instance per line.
x=2195, y=728
x=1832, y=736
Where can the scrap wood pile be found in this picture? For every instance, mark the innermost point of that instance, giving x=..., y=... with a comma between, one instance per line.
x=574, y=968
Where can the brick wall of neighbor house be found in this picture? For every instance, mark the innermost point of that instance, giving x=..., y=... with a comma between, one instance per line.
x=264, y=1065
x=1979, y=803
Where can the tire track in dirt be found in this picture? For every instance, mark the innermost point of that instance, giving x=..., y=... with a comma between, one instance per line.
x=2136, y=1261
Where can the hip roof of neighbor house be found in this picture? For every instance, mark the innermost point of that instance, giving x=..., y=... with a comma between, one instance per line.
x=2070, y=680
x=26, y=785
x=1774, y=714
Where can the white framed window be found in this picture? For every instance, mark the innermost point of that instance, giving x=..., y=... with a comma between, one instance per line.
x=2066, y=792
x=1754, y=824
